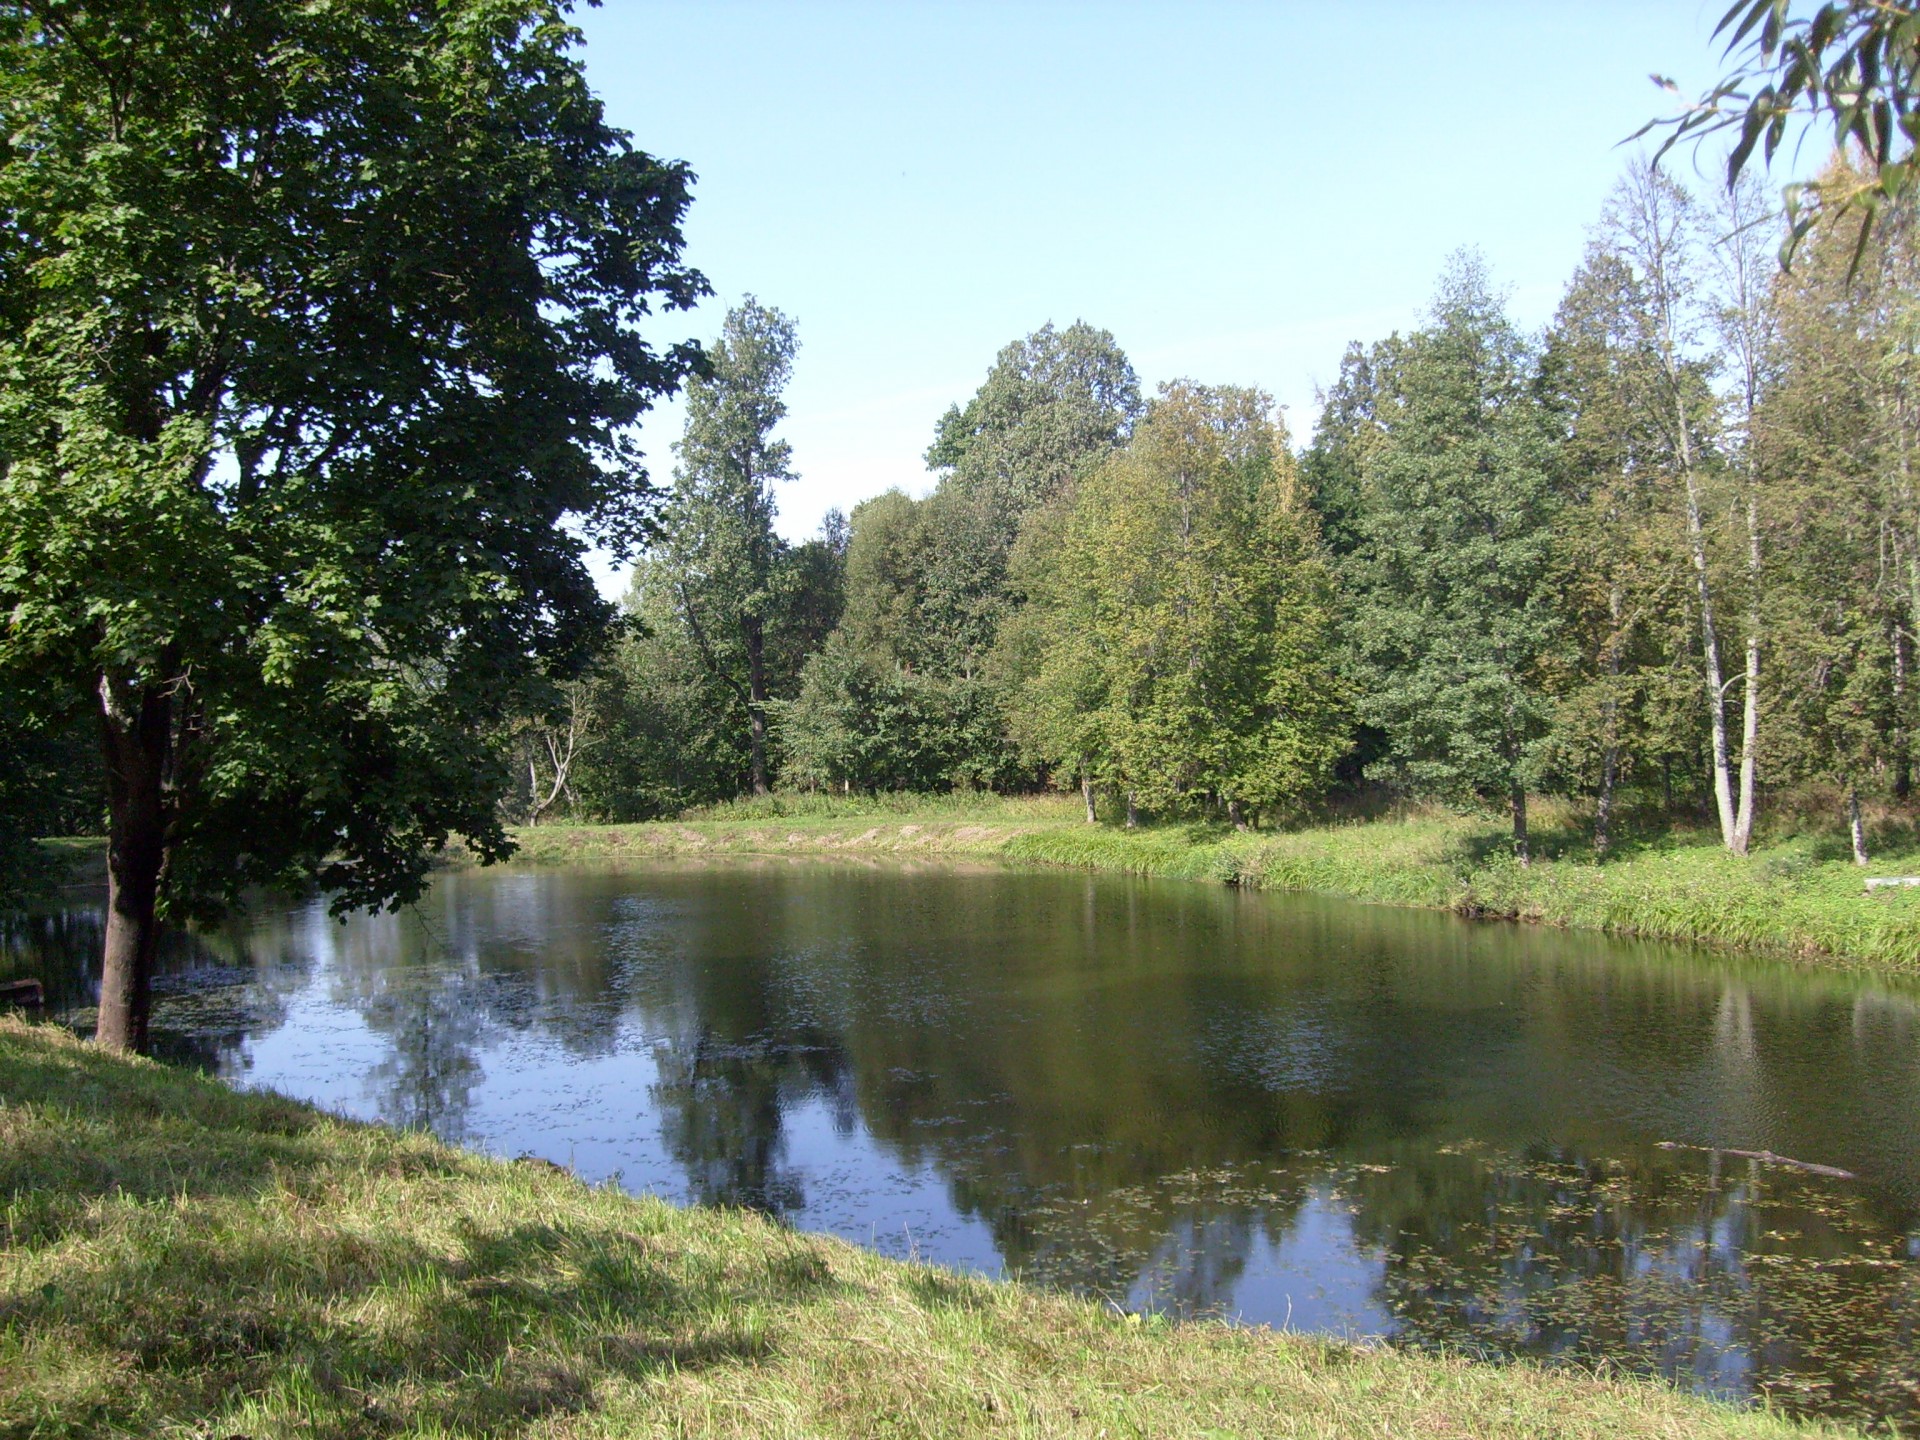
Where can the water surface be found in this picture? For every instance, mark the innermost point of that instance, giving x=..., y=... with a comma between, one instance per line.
x=1176, y=1096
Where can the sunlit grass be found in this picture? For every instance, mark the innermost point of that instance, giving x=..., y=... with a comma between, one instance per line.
x=825, y=805
x=180, y=1259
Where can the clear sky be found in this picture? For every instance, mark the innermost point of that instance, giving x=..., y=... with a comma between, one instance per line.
x=1235, y=190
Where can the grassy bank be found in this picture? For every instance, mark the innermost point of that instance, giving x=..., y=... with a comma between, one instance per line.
x=1795, y=895
x=180, y=1259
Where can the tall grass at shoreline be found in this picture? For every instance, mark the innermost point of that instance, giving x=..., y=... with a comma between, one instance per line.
x=177, y=1258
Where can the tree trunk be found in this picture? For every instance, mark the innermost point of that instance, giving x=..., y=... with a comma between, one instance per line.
x=1133, y=815
x=1238, y=820
x=1603, y=803
x=1856, y=825
x=1750, y=716
x=1086, y=793
x=757, y=701
x=1710, y=649
x=136, y=734
x=1517, y=802
x=1902, y=742
x=1610, y=733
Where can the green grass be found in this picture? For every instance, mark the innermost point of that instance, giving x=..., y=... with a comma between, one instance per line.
x=1795, y=895
x=954, y=805
x=180, y=1259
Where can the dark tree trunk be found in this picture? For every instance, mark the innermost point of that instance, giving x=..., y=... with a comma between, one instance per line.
x=1517, y=801
x=1603, y=806
x=1610, y=733
x=1086, y=793
x=136, y=738
x=757, y=701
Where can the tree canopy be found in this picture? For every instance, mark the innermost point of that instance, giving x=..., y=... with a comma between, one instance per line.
x=1453, y=612
x=316, y=324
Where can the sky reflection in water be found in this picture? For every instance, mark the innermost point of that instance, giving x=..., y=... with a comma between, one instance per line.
x=1177, y=1096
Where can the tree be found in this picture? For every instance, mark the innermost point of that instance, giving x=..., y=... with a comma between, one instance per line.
x=669, y=728
x=1052, y=405
x=927, y=583
x=728, y=565
x=1854, y=64
x=669, y=733
x=49, y=780
x=1621, y=700
x=316, y=324
x=1453, y=612
x=1050, y=401
x=897, y=697
x=1838, y=427
x=1179, y=639
x=1651, y=226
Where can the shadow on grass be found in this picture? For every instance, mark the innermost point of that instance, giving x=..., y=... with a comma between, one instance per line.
x=188, y=1246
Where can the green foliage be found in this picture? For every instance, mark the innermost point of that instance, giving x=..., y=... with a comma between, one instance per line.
x=1839, y=425
x=50, y=784
x=1850, y=63
x=724, y=573
x=909, y=694
x=866, y=722
x=1453, y=610
x=1177, y=638
x=1050, y=402
x=724, y=613
x=316, y=322
x=1627, y=703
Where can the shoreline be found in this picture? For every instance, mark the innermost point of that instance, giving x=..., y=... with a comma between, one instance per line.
x=1790, y=899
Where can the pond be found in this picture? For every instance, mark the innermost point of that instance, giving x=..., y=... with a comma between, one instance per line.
x=1175, y=1096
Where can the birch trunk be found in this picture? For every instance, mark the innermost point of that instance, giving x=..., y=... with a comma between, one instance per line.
x=1746, y=266
x=1709, y=645
x=1856, y=824
x=1750, y=698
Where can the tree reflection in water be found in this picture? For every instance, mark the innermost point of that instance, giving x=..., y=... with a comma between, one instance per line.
x=213, y=991
x=721, y=1106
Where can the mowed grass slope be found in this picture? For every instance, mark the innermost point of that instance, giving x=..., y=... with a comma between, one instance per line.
x=1795, y=895
x=180, y=1259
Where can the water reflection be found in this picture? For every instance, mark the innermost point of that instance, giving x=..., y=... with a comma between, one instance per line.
x=1181, y=1097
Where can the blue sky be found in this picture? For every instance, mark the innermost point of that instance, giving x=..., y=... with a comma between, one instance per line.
x=1235, y=190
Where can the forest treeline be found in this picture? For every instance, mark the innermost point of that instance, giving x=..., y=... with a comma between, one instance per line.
x=1664, y=555
x=1662, y=558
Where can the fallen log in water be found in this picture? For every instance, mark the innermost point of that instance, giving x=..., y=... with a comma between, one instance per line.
x=26, y=993
x=1765, y=1157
